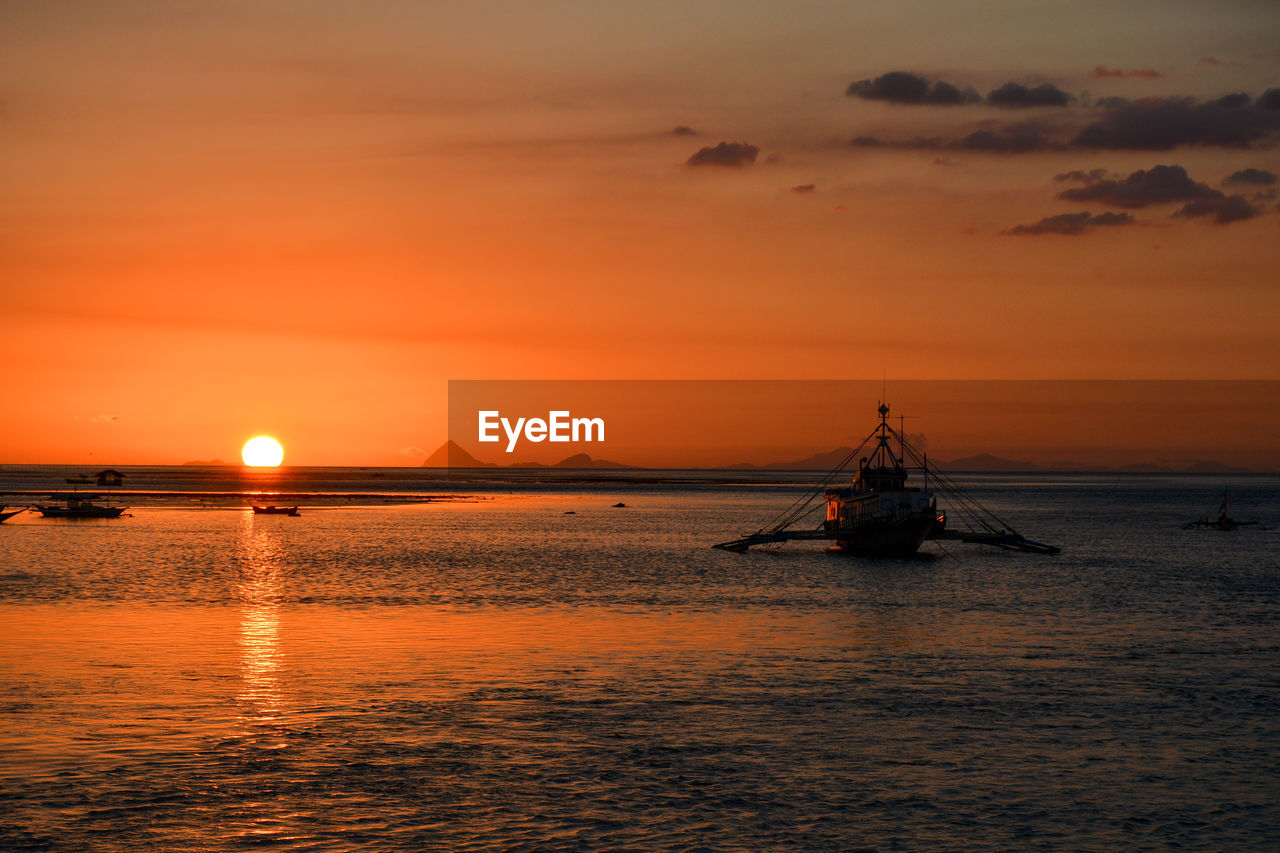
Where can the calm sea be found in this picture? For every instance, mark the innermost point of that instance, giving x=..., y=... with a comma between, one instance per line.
x=531, y=668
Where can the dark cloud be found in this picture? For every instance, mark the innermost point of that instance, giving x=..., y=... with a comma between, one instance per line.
x=1234, y=100
x=1015, y=95
x=1270, y=99
x=1251, y=176
x=1157, y=185
x=804, y=188
x=1089, y=177
x=1223, y=209
x=944, y=161
x=903, y=87
x=1102, y=71
x=1157, y=124
x=1112, y=102
x=1071, y=224
x=1209, y=62
x=866, y=142
x=725, y=154
x=684, y=130
x=1010, y=140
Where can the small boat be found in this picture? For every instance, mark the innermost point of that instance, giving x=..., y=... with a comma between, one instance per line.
x=79, y=507
x=6, y=514
x=1224, y=521
x=82, y=480
x=880, y=515
x=274, y=510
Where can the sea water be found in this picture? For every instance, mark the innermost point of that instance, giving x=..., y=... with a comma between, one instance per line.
x=532, y=668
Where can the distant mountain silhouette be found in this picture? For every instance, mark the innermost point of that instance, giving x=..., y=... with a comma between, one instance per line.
x=203, y=463
x=582, y=460
x=1205, y=466
x=816, y=462
x=450, y=455
x=987, y=462
x=1145, y=468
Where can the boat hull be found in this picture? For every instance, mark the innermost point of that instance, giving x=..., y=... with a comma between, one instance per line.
x=275, y=510
x=81, y=512
x=886, y=539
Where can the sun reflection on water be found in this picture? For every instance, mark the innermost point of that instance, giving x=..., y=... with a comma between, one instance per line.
x=259, y=588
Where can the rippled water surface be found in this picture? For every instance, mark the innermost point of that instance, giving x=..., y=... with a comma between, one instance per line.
x=499, y=674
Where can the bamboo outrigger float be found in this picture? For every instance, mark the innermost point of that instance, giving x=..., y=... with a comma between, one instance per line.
x=880, y=515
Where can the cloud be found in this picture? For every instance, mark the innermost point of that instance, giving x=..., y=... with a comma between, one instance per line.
x=105, y=419
x=903, y=87
x=1209, y=62
x=1102, y=72
x=1223, y=209
x=1157, y=185
x=413, y=452
x=1011, y=139
x=1071, y=224
x=1157, y=124
x=1016, y=96
x=804, y=188
x=1089, y=177
x=684, y=130
x=1015, y=139
x=725, y=154
x=1234, y=101
x=1270, y=99
x=1251, y=176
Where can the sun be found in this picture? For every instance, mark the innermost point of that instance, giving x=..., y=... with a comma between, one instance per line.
x=262, y=452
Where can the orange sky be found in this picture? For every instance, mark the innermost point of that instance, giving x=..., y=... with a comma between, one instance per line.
x=220, y=220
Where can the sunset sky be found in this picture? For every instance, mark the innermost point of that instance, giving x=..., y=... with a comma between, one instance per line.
x=222, y=219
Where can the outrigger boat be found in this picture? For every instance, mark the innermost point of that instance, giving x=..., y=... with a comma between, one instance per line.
x=880, y=515
x=274, y=510
x=1224, y=521
x=77, y=506
x=6, y=514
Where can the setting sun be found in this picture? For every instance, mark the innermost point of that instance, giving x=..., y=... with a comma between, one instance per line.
x=262, y=452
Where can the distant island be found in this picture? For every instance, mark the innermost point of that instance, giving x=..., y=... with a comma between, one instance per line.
x=203, y=463
x=451, y=455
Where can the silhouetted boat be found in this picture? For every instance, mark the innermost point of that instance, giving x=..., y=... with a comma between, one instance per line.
x=83, y=479
x=880, y=515
x=5, y=515
x=1224, y=521
x=274, y=510
x=79, y=507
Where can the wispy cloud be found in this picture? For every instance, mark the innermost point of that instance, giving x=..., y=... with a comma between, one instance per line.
x=1071, y=224
x=1102, y=72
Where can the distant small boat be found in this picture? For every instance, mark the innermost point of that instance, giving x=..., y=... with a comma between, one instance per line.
x=1224, y=521
x=5, y=515
x=76, y=507
x=274, y=510
x=79, y=481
